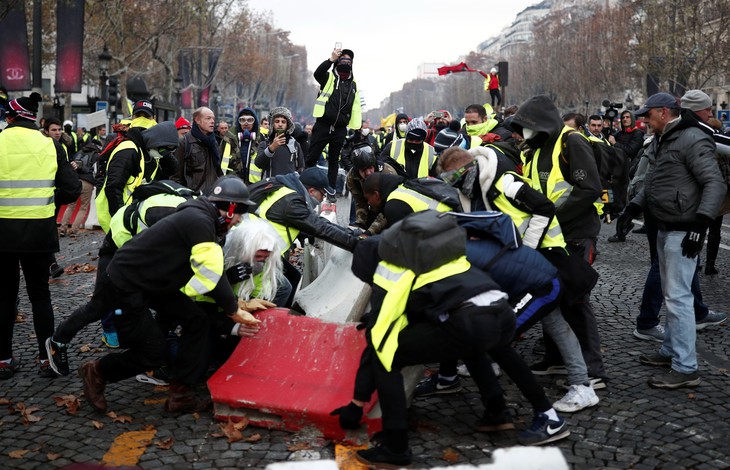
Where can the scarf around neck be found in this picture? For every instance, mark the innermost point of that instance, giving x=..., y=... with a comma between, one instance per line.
x=207, y=140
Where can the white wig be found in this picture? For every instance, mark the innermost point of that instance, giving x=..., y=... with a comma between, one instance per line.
x=241, y=246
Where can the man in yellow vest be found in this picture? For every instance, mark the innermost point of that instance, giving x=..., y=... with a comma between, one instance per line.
x=337, y=108
x=35, y=179
x=411, y=156
x=564, y=169
x=248, y=138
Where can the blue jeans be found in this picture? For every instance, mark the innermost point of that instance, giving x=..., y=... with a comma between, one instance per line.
x=555, y=326
x=676, y=271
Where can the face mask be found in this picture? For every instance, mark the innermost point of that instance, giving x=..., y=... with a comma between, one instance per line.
x=478, y=129
x=257, y=267
x=528, y=133
x=154, y=153
x=365, y=132
x=344, y=68
x=441, y=126
x=402, y=127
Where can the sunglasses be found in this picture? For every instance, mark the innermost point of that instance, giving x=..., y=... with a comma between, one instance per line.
x=246, y=120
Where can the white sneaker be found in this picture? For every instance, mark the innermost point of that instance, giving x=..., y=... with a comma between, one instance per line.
x=577, y=398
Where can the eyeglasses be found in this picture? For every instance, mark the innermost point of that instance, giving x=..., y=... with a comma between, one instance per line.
x=246, y=119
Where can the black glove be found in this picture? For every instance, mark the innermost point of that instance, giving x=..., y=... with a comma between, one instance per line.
x=238, y=273
x=695, y=238
x=350, y=416
x=624, y=222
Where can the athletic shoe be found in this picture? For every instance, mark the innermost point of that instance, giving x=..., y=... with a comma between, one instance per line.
x=597, y=383
x=435, y=385
x=8, y=369
x=156, y=377
x=655, y=333
x=712, y=318
x=495, y=422
x=655, y=359
x=543, y=368
x=578, y=397
x=55, y=270
x=543, y=430
x=382, y=457
x=45, y=371
x=57, y=356
x=462, y=371
x=111, y=340
x=674, y=379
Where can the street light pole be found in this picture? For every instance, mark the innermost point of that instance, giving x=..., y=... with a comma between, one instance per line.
x=105, y=59
x=178, y=93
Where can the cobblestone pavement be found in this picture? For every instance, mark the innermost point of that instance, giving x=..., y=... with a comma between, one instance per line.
x=633, y=426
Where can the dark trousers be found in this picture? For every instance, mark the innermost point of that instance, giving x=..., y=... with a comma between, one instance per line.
x=35, y=271
x=713, y=240
x=322, y=135
x=496, y=95
x=424, y=342
x=582, y=320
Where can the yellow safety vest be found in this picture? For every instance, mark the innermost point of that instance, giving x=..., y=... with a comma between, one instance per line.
x=28, y=168
x=554, y=235
x=102, y=204
x=120, y=226
x=417, y=201
x=226, y=157
x=288, y=234
x=428, y=156
x=324, y=96
x=399, y=282
x=206, y=259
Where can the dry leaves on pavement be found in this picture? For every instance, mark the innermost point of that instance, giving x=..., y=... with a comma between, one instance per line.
x=18, y=454
x=27, y=413
x=450, y=455
x=97, y=424
x=165, y=444
x=71, y=402
x=232, y=430
x=119, y=419
x=79, y=268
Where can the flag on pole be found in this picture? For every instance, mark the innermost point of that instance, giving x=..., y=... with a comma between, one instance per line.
x=460, y=67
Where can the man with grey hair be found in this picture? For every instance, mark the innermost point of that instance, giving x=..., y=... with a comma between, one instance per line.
x=279, y=153
x=700, y=105
x=683, y=192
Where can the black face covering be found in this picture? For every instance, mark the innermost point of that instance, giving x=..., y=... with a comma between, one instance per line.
x=538, y=141
x=344, y=68
x=413, y=148
x=441, y=126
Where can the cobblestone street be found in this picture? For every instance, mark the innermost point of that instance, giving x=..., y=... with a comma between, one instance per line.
x=633, y=426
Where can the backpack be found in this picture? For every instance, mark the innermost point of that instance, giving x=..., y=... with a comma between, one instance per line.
x=104, y=158
x=436, y=189
x=260, y=190
x=423, y=241
x=147, y=190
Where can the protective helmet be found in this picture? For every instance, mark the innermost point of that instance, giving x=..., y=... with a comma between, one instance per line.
x=68, y=123
x=232, y=190
x=363, y=157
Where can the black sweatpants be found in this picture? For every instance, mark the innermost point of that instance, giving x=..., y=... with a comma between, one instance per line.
x=322, y=135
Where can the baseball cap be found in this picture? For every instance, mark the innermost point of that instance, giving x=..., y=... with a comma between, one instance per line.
x=143, y=106
x=659, y=100
x=316, y=178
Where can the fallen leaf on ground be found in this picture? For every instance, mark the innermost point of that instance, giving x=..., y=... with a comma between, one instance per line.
x=51, y=456
x=19, y=318
x=148, y=427
x=165, y=444
x=691, y=396
x=232, y=430
x=70, y=402
x=16, y=454
x=27, y=413
x=79, y=268
x=450, y=455
x=119, y=419
x=154, y=401
x=97, y=424
x=196, y=416
x=299, y=446
x=253, y=438
x=5, y=401
x=85, y=348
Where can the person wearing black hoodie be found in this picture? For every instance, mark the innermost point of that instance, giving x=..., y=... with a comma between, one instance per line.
x=630, y=139
x=562, y=167
x=399, y=132
x=247, y=130
x=337, y=108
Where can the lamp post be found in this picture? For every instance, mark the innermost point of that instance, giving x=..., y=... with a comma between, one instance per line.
x=216, y=100
x=178, y=92
x=105, y=59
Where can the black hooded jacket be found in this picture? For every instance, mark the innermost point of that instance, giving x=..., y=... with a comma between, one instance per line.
x=577, y=215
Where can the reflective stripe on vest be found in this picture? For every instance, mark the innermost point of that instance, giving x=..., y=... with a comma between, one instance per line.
x=399, y=283
x=556, y=188
x=428, y=156
x=102, y=204
x=417, y=201
x=288, y=234
x=553, y=236
x=28, y=168
x=206, y=259
x=226, y=157
x=120, y=225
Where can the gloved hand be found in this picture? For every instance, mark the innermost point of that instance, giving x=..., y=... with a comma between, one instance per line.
x=350, y=416
x=238, y=273
x=624, y=222
x=255, y=304
x=695, y=239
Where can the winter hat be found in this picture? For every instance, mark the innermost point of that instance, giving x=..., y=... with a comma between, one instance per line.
x=316, y=178
x=163, y=134
x=448, y=138
x=416, y=129
x=143, y=106
x=25, y=107
x=696, y=100
x=182, y=123
x=285, y=113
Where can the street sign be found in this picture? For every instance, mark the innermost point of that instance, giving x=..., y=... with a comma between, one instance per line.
x=102, y=105
x=723, y=115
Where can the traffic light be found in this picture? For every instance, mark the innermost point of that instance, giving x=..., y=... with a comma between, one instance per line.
x=503, y=68
x=113, y=90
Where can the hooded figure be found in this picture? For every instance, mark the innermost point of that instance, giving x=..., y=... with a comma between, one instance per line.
x=630, y=139
x=280, y=153
x=399, y=130
x=248, y=138
x=160, y=141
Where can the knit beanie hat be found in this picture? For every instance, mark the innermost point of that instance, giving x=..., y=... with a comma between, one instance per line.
x=25, y=107
x=182, y=123
x=447, y=138
x=417, y=129
x=696, y=100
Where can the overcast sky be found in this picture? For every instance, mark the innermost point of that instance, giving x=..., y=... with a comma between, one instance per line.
x=390, y=38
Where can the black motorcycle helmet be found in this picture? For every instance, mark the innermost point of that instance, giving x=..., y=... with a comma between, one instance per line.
x=363, y=157
x=230, y=194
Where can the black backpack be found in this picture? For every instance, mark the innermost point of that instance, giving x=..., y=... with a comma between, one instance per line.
x=423, y=241
x=436, y=189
